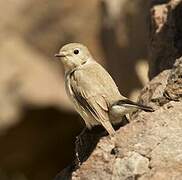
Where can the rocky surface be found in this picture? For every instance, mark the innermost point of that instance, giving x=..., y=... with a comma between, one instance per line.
x=165, y=35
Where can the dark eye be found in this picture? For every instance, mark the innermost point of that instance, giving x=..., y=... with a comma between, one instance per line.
x=76, y=51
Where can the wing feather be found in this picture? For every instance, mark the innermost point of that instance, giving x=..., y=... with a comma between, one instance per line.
x=90, y=92
x=88, y=98
x=95, y=105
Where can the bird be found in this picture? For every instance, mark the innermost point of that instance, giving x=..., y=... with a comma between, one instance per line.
x=92, y=90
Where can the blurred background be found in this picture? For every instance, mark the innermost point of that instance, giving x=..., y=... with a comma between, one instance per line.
x=38, y=125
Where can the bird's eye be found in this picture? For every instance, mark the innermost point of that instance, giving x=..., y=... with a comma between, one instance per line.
x=76, y=51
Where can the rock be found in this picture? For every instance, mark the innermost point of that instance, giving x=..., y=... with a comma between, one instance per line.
x=131, y=166
x=148, y=146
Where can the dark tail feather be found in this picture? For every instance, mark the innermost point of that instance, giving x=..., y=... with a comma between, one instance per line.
x=127, y=102
x=146, y=108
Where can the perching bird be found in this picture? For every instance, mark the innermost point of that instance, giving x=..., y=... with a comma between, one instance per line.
x=92, y=90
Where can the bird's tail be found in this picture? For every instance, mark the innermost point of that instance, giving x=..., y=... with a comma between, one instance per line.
x=145, y=108
x=130, y=104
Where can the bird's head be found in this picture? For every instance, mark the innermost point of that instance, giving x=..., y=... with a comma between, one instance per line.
x=73, y=55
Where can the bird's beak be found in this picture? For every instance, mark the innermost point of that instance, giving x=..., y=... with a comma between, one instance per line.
x=60, y=55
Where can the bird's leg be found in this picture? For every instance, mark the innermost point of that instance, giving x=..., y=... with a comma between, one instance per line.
x=79, y=143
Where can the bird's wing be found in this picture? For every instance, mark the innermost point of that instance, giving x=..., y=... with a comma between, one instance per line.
x=90, y=95
x=89, y=100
